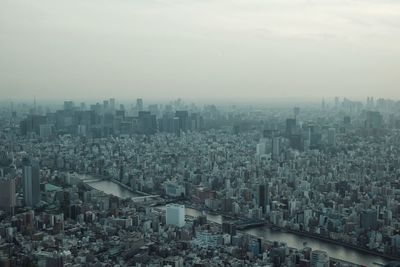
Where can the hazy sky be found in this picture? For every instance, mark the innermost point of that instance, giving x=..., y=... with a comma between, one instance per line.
x=256, y=49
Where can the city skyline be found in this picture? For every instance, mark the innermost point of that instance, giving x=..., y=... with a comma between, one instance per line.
x=200, y=133
x=294, y=186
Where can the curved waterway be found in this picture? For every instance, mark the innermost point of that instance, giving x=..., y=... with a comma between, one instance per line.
x=291, y=239
x=108, y=187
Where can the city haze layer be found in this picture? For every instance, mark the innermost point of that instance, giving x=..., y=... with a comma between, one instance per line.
x=199, y=49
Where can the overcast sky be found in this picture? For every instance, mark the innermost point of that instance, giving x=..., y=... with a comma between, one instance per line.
x=164, y=49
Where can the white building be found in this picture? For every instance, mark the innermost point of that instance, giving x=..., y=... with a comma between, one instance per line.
x=260, y=149
x=175, y=215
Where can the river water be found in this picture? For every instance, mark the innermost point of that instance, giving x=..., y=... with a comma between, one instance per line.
x=291, y=239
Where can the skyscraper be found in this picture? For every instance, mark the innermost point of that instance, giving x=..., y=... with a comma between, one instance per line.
x=139, y=104
x=262, y=196
x=31, y=182
x=276, y=147
x=7, y=194
x=147, y=122
x=112, y=105
x=183, y=116
x=331, y=136
x=290, y=127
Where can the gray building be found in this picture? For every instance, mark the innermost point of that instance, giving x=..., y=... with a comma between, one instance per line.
x=31, y=182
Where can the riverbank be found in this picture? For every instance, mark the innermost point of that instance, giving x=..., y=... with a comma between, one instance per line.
x=269, y=242
x=315, y=236
x=294, y=240
x=341, y=243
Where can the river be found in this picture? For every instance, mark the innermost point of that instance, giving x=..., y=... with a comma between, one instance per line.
x=108, y=187
x=291, y=239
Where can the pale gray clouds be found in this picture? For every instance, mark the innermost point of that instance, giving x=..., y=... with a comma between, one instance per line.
x=192, y=48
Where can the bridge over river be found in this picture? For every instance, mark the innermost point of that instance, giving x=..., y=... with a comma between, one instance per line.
x=116, y=187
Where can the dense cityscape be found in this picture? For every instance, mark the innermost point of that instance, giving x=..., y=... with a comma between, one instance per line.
x=178, y=184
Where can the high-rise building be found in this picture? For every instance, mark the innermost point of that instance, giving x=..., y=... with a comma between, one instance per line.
x=68, y=105
x=147, y=122
x=45, y=131
x=260, y=149
x=331, y=136
x=262, y=196
x=7, y=194
x=154, y=109
x=139, y=104
x=290, y=126
x=184, y=123
x=31, y=182
x=319, y=258
x=175, y=215
x=276, y=147
x=196, y=122
x=31, y=124
x=112, y=104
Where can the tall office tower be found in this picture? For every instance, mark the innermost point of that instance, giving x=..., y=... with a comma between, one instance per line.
x=262, y=196
x=276, y=147
x=176, y=215
x=261, y=148
x=319, y=258
x=45, y=131
x=147, y=122
x=31, y=124
x=153, y=109
x=332, y=136
x=290, y=126
x=105, y=105
x=31, y=183
x=175, y=126
x=196, y=121
x=7, y=194
x=139, y=104
x=68, y=105
x=166, y=123
x=81, y=130
x=112, y=104
x=184, y=123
